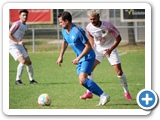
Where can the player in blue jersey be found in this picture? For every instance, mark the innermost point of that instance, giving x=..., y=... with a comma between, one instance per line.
x=85, y=56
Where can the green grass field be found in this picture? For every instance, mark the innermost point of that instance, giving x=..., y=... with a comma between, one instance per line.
x=62, y=84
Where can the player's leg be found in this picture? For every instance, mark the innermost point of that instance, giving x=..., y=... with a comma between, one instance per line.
x=94, y=88
x=17, y=55
x=116, y=63
x=83, y=70
x=30, y=70
x=26, y=60
x=21, y=55
x=89, y=94
x=123, y=80
x=99, y=57
x=20, y=68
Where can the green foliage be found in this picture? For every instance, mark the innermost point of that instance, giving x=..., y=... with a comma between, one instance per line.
x=62, y=84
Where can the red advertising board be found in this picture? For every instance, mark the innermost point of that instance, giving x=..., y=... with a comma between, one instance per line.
x=35, y=16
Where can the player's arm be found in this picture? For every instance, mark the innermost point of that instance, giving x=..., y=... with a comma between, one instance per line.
x=114, y=45
x=12, y=38
x=84, y=52
x=91, y=40
x=15, y=40
x=13, y=29
x=63, y=49
x=114, y=31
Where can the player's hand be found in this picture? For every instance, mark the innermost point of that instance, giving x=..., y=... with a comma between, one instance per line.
x=75, y=61
x=21, y=43
x=107, y=52
x=59, y=61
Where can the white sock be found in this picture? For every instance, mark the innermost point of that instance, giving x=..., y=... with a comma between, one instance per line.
x=30, y=72
x=91, y=78
x=123, y=81
x=19, y=71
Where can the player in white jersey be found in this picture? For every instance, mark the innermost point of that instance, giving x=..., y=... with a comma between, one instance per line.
x=104, y=38
x=17, y=47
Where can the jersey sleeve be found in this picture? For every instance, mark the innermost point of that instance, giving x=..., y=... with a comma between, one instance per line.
x=82, y=35
x=14, y=27
x=112, y=29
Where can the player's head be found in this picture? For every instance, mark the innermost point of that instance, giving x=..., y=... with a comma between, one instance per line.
x=65, y=19
x=94, y=17
x=23, y=15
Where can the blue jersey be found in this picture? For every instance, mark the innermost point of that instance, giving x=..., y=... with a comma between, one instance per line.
x=76, y=39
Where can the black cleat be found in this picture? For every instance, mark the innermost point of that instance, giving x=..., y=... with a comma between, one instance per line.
x=18, y=82
x=33, y=82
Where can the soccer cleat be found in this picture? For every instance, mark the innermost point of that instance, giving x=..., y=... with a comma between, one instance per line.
x=33, y=82
x=128, y=96
x=18, y=82
x=86, y=95
x=104, y=98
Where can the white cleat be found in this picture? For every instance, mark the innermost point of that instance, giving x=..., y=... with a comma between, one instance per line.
x=104, y=98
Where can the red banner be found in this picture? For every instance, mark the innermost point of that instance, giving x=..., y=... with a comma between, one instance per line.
x=35, y=16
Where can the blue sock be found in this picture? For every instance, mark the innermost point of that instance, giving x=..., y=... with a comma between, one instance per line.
x=92, y=87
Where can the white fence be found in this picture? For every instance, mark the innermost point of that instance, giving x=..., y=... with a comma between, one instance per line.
x=79, y=17
x=54, y=34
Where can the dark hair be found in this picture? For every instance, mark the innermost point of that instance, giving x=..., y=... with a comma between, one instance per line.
x=65, y=16
x=24, y=10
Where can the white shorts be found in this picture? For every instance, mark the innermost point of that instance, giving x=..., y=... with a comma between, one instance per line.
x=18, y=52
x=113, y=59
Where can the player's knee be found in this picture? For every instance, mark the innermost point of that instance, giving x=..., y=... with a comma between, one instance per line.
x=23, y=61
x=119, y=73
x=81, y=80
x=28, y=62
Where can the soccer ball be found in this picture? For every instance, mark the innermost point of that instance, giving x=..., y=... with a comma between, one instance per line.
x=44, y=100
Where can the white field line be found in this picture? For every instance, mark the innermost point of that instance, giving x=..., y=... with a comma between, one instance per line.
x=123, y=53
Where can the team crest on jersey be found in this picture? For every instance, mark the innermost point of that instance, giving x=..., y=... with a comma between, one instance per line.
x=103, y=31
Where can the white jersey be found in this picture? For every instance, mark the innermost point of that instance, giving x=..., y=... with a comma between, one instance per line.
x=17, y=30
x=104, y=35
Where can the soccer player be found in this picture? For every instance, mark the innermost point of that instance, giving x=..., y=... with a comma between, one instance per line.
x=17, y=47
x=104, y=38
x=85, y=56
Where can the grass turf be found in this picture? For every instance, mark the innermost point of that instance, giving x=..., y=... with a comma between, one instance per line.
x=61, y=83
